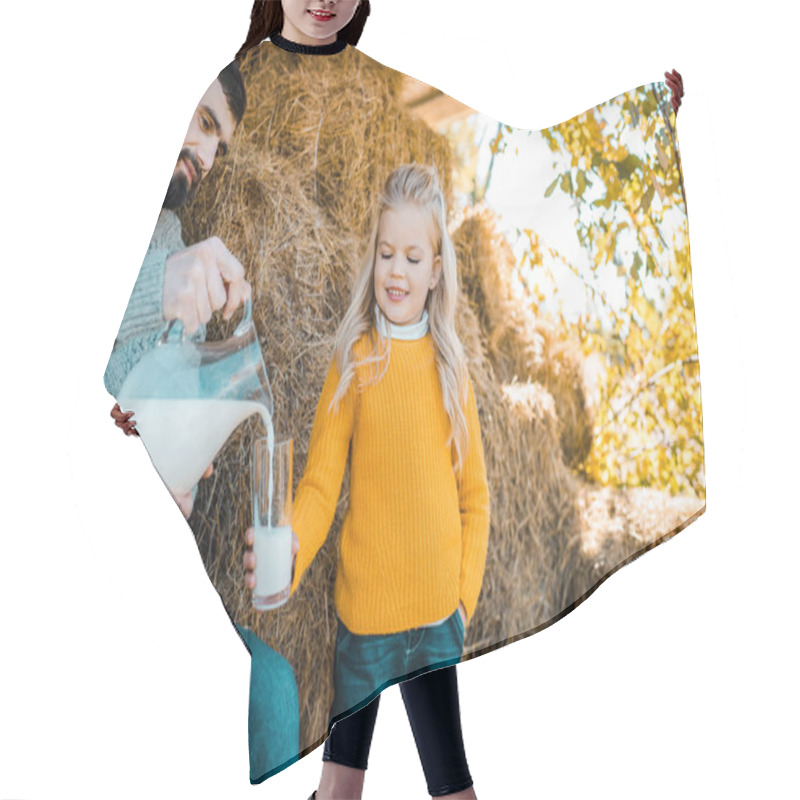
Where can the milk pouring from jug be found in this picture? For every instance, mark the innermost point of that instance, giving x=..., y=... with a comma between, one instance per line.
x=188, y=397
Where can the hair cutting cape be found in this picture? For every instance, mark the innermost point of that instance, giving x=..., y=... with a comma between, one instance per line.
x=575, y=313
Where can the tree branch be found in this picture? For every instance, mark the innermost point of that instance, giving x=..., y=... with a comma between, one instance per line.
x=663, y=105
x=654, y=378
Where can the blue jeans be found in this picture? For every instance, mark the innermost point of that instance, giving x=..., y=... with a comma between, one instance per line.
x=364, y=665
x=274, y=716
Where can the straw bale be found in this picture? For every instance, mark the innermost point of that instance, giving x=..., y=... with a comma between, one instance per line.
x=520, y=345
x=342, y=130
x=534, y=538
x=618, y=525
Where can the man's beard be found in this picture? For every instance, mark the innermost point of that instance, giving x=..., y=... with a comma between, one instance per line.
x=180, y=191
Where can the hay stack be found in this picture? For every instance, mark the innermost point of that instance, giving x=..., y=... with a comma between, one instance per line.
x=296, y=212
x=340, y=137
x=534, y=537
x=520, y=346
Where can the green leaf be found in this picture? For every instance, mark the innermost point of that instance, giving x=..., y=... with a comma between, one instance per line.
x=551, y=188
x=647, y=198
x=581, y=183
x=663, y=158
x=632, y=110
x=637, y=263
x=627, y=166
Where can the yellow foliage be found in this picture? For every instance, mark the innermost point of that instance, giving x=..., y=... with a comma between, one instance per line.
x=648, y=423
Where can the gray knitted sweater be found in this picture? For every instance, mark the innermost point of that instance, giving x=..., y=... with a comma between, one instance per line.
x=144, y=320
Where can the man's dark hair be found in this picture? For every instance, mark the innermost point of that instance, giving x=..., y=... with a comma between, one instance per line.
x=233, y=86
x=266, y=19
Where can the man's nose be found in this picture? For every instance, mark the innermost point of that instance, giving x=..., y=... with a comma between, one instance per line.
x=205, y=156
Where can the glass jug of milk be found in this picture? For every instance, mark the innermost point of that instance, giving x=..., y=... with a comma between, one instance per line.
x=188, y=397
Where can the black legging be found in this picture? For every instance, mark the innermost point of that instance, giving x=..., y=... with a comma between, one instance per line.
x=432, y=706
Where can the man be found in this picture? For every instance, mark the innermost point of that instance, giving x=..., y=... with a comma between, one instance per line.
x=189, y=284
x=175, y=281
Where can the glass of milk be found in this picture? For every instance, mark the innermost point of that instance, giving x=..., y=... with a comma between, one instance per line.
x=272, y=521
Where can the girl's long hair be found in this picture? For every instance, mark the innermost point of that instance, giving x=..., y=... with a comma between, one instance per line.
x=417, y=184
x=266, y=19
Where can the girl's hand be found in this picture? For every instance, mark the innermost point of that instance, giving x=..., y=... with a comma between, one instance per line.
x=249, y=557
x=463, y=611
x=675, y=83
x=122, y=419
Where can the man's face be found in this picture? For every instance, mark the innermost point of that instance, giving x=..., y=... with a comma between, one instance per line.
x=209, y=136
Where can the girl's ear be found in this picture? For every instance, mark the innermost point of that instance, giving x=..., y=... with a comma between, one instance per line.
x=437, y=271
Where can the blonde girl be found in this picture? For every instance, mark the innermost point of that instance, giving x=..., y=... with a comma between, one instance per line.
x=398, y=401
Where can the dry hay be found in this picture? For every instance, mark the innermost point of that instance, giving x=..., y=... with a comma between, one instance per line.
x=340, y=132
x=533, y=539
x=619, y=524
x=285, y=206
x=520, y=346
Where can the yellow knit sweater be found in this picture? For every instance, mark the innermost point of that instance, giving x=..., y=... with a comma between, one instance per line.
x=415, y=535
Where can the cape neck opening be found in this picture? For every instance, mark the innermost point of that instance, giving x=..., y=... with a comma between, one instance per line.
x=308, y=49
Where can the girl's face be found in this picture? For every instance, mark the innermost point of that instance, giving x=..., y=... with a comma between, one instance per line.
x=315, y=21
x=406, y=268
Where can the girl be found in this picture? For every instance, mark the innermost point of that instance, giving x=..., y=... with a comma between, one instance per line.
x=398, y=399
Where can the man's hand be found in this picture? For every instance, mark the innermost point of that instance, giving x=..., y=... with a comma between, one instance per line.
x=675, y=83
x=194, y=284
x=186, y=501
x=124, y=421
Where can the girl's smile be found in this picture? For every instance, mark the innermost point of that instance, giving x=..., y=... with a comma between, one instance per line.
x=397, y=295
x=323, y=16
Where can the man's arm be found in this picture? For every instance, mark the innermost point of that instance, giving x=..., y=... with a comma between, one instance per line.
x=144, y=320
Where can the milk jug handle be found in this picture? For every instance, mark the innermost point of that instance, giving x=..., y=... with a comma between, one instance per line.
x=174, y=330
x=247, y=319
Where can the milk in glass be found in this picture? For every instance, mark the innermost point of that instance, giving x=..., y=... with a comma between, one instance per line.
x=273, y=551
x=272, y=543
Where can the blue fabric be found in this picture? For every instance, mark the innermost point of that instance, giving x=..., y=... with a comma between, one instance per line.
x=274, y=719
x=365, y=665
